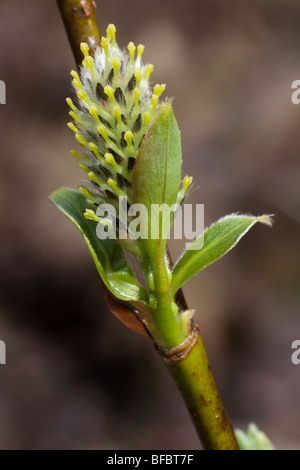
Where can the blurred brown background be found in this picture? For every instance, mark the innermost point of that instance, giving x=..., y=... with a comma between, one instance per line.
x=76, y=378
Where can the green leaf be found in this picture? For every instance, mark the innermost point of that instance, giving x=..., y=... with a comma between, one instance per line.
x=254, y=439
x=214, y=243
x=157, y=175
x=107, y=254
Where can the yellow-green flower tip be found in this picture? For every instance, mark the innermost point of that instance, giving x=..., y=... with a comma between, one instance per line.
x=187, y=181
x=85, y=48
x=70, y=104
x=111, y=33
x=90, y=215
x=72, y=127
x=140, y=51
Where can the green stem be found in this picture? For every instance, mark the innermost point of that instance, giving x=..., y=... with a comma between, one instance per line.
x=198, y=388
x=189, y=366
x=165, y=312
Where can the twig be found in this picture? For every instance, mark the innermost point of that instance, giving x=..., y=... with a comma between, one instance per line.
x=80, y=20
x=188, y=362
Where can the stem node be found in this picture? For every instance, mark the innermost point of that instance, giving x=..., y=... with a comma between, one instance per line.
x=180, y=352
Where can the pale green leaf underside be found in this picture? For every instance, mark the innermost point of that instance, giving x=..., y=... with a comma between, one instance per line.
x=107, y=254
x=220, y=238
x=254, y=439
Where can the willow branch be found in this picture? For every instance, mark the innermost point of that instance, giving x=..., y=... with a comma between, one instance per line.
x=80, y=20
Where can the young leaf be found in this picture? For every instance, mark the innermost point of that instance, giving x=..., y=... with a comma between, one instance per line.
x=254, y=439
x=216, y=241
x=107, y=254
x=157, y=175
